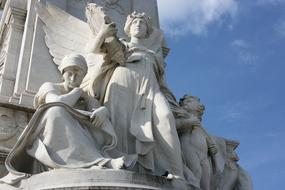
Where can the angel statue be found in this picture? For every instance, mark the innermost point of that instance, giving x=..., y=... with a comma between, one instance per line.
x=124, y=76
x=68, y=130
x=139, y=110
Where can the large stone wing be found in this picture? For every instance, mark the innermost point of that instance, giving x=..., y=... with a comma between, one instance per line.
x=65, y=33
x=154, y=41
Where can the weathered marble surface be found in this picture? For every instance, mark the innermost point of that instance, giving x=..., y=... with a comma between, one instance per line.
x=12, y=123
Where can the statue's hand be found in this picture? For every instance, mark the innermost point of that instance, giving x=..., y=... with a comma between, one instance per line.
x=92, y=103
x=85, y=96
x=108, y=30
x=212, y=148
x=99, y=115
x=78, y=91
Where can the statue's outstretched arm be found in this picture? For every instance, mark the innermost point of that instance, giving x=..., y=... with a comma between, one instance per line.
x=106, y=31
x=104, y=40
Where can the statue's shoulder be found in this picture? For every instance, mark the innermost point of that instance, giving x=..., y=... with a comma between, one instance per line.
x=45, y=88
x=48, y=86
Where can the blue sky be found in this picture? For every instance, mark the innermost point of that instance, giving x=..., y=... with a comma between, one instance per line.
x=232, y=55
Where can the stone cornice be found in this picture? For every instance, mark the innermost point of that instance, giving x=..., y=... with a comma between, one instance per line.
x=12, y=15
x=16, y=107
x=2, y=4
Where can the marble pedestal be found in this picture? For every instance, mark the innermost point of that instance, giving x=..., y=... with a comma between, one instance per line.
x=107, y=179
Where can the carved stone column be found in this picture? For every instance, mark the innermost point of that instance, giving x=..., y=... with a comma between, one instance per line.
x=11, y=32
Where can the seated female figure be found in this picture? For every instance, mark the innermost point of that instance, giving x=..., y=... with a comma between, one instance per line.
x=61, y=136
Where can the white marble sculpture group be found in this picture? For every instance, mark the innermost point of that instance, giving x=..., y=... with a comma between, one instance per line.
x=113, y=110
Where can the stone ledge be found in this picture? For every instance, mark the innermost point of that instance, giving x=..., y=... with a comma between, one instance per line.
x=15, y=106
x=83, y=179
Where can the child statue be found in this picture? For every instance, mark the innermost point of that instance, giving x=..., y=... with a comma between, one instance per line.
x=197, y=145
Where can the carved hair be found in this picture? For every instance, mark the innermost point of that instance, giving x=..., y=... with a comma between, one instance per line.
x=200, y=109
x=232, y=144
x=135, y=15
x=189, y=97
x=73, y=60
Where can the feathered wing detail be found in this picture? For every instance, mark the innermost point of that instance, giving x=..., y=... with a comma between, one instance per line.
x=65, y=33
x=155, y=40
x=96, y=17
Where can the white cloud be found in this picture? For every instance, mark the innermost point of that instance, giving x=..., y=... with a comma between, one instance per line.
x=280, y=28
x=244, y=52
x=182, y=16
x=247, y=58
x=242, y=109
x=234, y=111
x=240, y=44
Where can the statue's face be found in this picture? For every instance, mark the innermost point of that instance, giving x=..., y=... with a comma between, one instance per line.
x=192, y=105
x=138, y=28
x=232, y=155
x=72, y=77
x=7, y=123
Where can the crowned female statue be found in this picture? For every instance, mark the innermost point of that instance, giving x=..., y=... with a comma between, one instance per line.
x=139, y=111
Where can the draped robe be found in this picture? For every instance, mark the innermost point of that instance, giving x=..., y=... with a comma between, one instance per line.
x=58, y=136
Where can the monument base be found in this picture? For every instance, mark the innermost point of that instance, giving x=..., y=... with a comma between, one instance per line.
x=107, y=179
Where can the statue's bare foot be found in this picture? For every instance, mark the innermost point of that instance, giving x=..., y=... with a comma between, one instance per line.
x=170, y=176
x=117, y=163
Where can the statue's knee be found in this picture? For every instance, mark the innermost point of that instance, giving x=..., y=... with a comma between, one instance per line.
x=165, y=114
x=55, y=110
